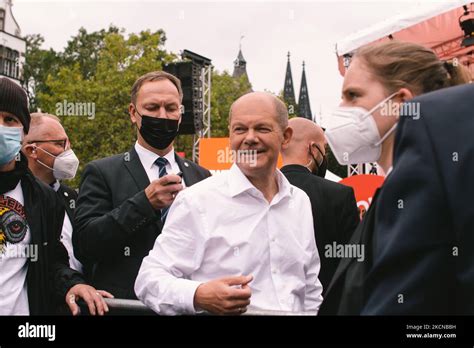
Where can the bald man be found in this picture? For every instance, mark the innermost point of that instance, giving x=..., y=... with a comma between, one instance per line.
x=51, y=159
x=240, y=239
x=334, y=207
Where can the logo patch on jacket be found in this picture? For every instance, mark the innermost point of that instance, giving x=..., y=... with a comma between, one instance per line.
x=13, y=225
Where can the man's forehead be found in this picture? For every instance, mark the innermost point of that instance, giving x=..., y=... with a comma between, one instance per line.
x=160, y=89
x=253, y=119
x=262, y=109
x=256, y=100
x=48, y=128
x=357, y=76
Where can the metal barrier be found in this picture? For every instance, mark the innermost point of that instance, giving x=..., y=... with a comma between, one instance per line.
x=127, y=307
x=135, y=307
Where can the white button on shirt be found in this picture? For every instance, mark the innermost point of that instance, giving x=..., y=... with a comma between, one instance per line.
x=223, y=226
x=148, y=158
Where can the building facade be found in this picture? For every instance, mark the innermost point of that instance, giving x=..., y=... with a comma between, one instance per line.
x=12, y=45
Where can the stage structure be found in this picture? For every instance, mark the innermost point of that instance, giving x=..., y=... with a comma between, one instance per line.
x=195, y=73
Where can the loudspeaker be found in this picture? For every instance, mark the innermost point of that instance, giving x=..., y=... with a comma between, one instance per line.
x=189, y=74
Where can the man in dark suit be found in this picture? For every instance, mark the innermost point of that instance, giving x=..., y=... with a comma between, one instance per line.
x=334, y=207
x=51, y=159
x=124, y=199
x=423, y=254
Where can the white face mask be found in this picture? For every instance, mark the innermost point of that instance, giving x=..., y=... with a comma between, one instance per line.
x=65, y=164
x=356, y=139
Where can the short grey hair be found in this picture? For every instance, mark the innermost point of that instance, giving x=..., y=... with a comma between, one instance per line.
x=38, y=117
x=282, y=113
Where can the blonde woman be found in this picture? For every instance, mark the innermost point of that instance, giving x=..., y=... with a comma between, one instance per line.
x=417, y=234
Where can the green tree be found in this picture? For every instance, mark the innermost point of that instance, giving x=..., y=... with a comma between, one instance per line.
x=39, y=63
x=225, y=90
x=85, y=49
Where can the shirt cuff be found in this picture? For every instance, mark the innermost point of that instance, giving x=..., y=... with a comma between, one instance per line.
x=186, y=295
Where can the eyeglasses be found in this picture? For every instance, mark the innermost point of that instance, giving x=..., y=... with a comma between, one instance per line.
x=60, y=142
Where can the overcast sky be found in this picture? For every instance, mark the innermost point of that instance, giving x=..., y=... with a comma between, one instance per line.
x=309, y=29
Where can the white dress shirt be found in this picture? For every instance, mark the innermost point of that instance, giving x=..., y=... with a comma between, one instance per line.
x=148, y=158
x=13, y=264
x=223, y=226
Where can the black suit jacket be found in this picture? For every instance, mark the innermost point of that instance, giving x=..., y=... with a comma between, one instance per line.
x=423, y=242
x=116, y=226
x=69, y=196
x=335, y=213
x=49, y=278
x=346, y=293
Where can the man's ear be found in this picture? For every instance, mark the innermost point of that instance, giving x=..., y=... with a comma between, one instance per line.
x=30, y=151
x=287, y=134
x=131, y=112
x=319, y=148
x=313, y=149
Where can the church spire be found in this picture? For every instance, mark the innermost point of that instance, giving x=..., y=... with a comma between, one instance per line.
x=240, y=64
x=304, y=109
x=288, y=89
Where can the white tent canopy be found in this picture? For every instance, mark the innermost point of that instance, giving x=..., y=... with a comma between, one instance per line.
x=395, y=24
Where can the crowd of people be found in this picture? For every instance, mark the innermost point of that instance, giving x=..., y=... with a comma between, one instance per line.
x=148, y=224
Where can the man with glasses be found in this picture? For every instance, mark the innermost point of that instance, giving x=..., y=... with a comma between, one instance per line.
x=335, y=213
x=51, y=159
x=35, y=276
x=124, y=199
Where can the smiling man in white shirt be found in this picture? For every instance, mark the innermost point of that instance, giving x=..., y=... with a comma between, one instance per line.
x=241, y=239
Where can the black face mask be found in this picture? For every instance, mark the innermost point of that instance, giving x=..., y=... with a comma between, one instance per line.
x=158, y=132
x=322, y=167
x=321, y=171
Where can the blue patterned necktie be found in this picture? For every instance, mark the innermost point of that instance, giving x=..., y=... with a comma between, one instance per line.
x=161, y=162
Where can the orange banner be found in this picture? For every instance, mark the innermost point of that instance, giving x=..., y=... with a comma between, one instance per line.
x=364, y=187
x=216, y=154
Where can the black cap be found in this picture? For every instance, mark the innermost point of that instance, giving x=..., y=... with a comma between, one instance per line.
x=13, y=100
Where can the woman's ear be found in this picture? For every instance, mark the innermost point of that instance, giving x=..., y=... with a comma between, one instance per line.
x=404, y=95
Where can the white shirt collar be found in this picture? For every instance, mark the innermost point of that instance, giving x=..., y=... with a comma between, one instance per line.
x=239, y=183
x=148, y=157
x=56, y=185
